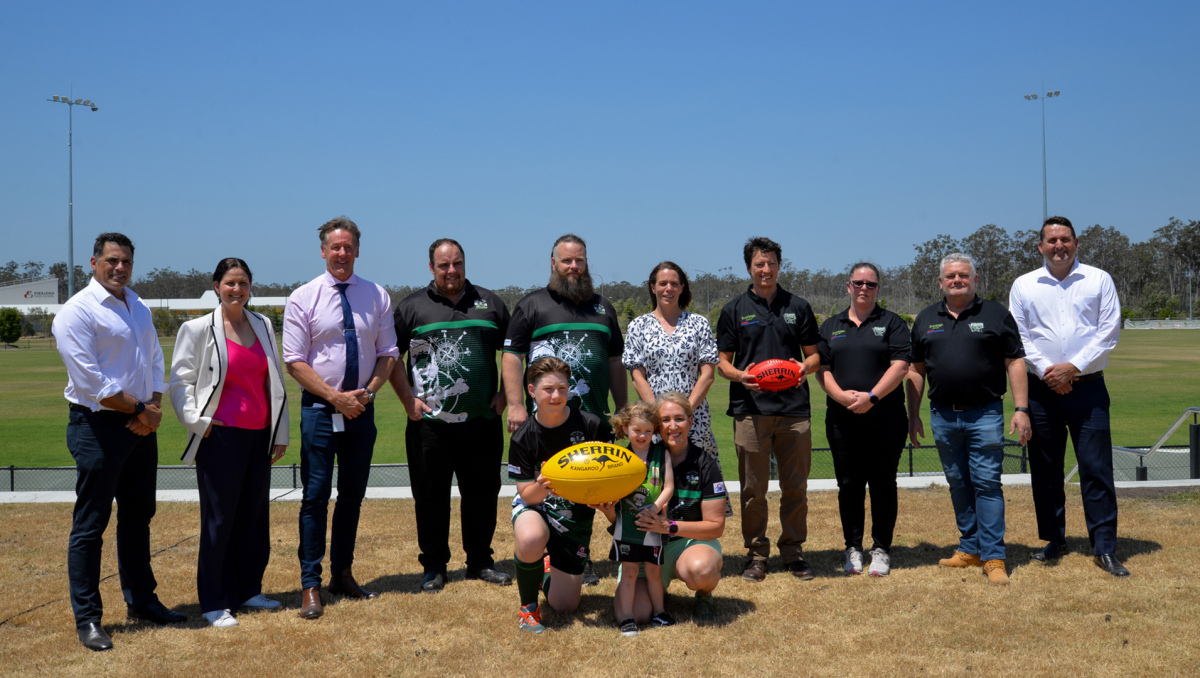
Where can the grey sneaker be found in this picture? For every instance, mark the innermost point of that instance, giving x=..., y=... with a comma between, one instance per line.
x=854, y=561
x=881, y=563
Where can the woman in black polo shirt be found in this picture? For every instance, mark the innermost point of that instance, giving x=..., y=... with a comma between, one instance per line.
x=864, y=352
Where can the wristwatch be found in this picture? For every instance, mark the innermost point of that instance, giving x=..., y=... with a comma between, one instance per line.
x=874, y=398
x=1022, y=409
x=674, y=529
x=370, y=394
x=139, y=408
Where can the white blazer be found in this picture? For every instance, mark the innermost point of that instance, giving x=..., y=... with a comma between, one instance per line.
x=198, y=368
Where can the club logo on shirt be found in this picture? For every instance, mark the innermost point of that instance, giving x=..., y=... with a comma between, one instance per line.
x=879, y=331
x=481, y=304
x=935, y=328
x=692, y=478
x=578, y=437
x=976, y=327
x=789, y=318
x=839, y=334
x=749, y=320
x=600, y=309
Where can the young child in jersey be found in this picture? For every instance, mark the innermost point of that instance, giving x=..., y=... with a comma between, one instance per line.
x=635, y=549
x=543, y=522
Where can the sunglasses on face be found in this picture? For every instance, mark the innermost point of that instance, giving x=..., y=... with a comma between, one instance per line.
x=865, y=283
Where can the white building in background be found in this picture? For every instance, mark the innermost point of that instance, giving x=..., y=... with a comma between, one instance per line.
x=43, y=294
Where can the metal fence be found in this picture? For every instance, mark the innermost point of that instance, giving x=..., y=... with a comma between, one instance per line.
x=1165, y=464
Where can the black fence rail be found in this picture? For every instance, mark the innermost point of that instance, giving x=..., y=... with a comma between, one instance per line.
x=918, y=460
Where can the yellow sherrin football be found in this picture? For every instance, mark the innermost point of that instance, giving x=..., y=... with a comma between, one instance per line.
x=594, y=473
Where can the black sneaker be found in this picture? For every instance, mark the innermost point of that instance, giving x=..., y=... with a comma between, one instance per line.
x=628, y=627
x=662, y=619
x=590, y=578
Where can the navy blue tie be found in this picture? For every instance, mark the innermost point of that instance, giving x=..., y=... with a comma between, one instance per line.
x=350, y=381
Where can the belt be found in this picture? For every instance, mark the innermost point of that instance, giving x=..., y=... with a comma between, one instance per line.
x=1085, y=378
x=87, y=410
x=964, y=408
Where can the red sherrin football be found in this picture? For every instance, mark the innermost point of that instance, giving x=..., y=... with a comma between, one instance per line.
x=775, y=375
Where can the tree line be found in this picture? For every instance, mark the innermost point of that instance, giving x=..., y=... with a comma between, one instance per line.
x=1155, y=278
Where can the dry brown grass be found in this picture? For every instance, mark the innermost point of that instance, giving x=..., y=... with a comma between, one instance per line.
x=1069, y=619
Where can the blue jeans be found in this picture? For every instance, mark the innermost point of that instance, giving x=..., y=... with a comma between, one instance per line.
x=319, y=445
x=970, y=445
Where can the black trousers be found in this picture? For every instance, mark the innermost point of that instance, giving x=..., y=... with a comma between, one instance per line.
x=233, y=473
x=111, y=462
x=866, y=453
x=470, y=451
x=1083, y=413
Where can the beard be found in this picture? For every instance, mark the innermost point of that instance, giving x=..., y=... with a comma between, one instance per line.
x=579, y=291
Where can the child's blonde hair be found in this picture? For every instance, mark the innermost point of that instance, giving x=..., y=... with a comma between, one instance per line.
x=639, y=410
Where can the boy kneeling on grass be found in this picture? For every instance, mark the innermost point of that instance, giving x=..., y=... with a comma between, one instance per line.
x=543, y=522
x=631, y=546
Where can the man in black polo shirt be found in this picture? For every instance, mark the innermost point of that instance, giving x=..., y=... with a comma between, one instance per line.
x=965, y=345
x=450, y=389
x=567, y=320
x=763, y=323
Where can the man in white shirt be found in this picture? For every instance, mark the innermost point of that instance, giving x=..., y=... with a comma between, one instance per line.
x=116, y=375
x=1069, y=317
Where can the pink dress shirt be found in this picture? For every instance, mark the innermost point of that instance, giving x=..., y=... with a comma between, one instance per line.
x=244, y=396
x=312, y=328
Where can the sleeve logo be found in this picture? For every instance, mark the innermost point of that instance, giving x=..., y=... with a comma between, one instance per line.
x=718, y=488
x=508, y=342
x=513, y=468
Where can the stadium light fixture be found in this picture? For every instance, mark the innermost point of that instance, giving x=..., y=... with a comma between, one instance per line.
x=1031, y=97
x=71, y=184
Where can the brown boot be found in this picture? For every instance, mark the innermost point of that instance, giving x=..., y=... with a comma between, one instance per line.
x=311, y=607
x=343, y=584
x=960, y=559
x=996, y=574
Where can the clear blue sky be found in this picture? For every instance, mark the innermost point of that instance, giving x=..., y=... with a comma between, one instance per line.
x=654, y=129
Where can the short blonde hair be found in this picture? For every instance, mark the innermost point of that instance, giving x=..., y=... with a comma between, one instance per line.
x=633, y=411
x=677, y=398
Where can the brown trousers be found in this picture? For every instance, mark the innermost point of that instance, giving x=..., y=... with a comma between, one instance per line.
x=756, y=438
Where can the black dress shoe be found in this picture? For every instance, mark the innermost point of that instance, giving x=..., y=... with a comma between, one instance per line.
x=1109, y=563
x=490, y=575
x=1053, y=551
x=156, y=612
x=434, y=581
x=94, y=638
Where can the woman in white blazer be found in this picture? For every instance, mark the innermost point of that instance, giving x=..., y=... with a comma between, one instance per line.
x=227, y=390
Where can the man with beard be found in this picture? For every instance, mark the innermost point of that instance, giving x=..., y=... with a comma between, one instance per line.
x=567, y=320
x=451, y=331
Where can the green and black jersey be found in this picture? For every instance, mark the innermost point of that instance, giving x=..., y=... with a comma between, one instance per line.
x=532, y=445
x=584, y=336
x=451, y=350
x=697, y=479
x=626, y=529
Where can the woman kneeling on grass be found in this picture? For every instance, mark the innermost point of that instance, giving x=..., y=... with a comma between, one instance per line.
x=542, y=521
x=695, y=517
x=632, y=547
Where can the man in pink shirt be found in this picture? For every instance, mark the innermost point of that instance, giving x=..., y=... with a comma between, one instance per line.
x=339, y=343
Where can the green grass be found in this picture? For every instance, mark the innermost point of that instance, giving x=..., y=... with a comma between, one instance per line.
x=1152, y=377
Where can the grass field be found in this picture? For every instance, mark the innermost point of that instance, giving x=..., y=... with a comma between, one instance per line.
x=1152, y=377
x=1071, y=619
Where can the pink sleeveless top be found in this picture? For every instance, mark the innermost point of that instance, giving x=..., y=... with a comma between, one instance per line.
x=244, y=397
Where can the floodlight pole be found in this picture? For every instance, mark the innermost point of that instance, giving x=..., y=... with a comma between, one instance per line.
x=1032, y=97
x=71, y=184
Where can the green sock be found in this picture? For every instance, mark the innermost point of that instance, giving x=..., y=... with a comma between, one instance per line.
x=529, y=580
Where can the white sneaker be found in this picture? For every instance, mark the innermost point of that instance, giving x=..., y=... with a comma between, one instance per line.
x=854, y=561
x=881, y=563
x=220, y=619
x=261, y=602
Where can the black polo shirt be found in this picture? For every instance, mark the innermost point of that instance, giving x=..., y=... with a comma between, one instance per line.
x=858, y=355
x=754, y=331
x=964, y=357
x=451, y=350
x=584, y=336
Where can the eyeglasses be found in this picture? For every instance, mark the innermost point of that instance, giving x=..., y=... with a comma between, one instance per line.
x=865, y=283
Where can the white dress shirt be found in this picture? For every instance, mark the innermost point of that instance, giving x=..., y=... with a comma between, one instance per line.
x=109, y=346
x=1076, y=319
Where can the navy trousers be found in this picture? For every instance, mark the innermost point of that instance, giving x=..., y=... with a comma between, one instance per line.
x=321, y=451
x=233, y=473
x=111, y=462
x=470, y=451
x=1083, y=413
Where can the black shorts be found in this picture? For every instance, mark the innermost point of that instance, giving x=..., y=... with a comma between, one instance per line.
x=624, y=552
x=566, y=554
